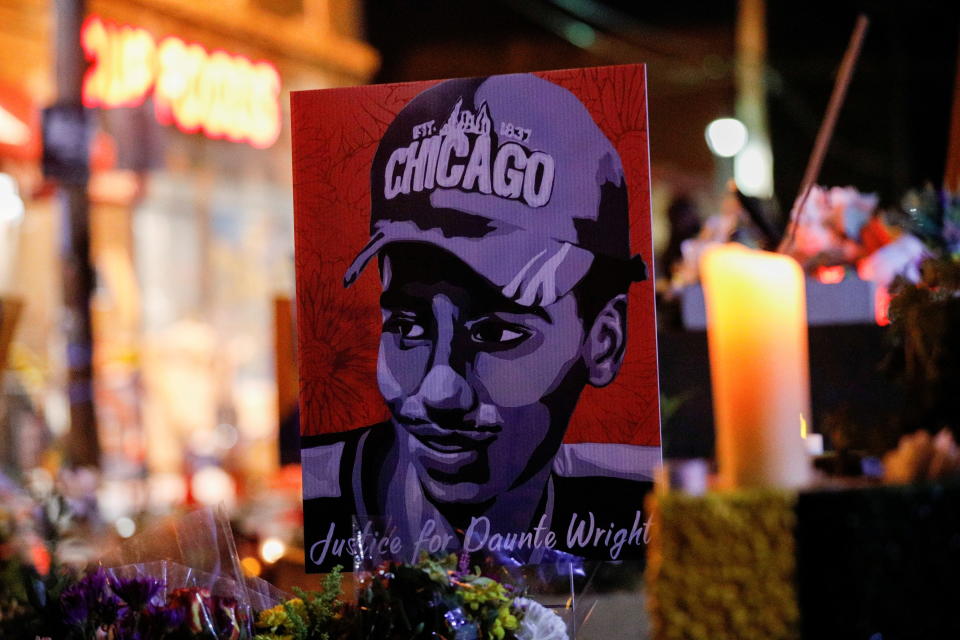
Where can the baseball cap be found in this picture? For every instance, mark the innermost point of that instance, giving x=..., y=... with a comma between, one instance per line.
x=511, y=175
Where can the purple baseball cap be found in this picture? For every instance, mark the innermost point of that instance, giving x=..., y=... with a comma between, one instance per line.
x=511, y=175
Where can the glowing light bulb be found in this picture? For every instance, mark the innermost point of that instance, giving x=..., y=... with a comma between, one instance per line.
x=125, y=527
x=726, y=137
x=251, y=566
x=272, y=550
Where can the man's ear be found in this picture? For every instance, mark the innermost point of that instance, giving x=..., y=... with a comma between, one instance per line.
x=606, y=342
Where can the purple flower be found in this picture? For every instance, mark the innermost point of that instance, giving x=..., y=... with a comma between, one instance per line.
x=89, y=600
x=136, y=592
x=168, y=616
x=463, y=562
x=128, y=627
x=153, y=622
x=74, y=604
x=95, y=581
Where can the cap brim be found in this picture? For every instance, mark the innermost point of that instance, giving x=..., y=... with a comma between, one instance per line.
x=529, y=269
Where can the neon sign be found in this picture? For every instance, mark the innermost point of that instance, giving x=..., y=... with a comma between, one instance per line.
x=220, y=94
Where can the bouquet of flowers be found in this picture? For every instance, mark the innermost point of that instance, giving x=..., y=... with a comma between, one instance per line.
x=837, y=226
x=434, y=598
x=103, y=605
x=181, y=580
x=31, y=575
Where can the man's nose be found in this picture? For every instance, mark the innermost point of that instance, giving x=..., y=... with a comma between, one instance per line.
x=446, y=390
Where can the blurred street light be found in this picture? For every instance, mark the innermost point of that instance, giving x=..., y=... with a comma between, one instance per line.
x=272, y=550
x=726, y=137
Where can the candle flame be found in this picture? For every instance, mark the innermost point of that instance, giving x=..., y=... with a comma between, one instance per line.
x=803, y=427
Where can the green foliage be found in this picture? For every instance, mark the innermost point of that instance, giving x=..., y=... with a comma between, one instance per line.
x=925, y=340
x=432, y=599
x=401, y=601
x=490, y=602
x=934, y=217
x=29, y=602
x=311, y=615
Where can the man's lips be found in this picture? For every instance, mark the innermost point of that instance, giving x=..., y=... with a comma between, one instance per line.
x=451, y=441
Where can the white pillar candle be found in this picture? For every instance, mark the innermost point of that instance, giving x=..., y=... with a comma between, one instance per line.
x=757, y=334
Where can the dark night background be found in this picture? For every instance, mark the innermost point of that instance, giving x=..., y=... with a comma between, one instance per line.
x=891, y=134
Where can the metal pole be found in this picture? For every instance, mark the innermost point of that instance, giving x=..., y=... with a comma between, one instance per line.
x=78, y=275
x=751, y=102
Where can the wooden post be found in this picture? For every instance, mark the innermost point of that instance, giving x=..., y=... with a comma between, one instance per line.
x=825, y=133
x=285, y=347
x=78, y=276
x=951, y=174
x=10, y=309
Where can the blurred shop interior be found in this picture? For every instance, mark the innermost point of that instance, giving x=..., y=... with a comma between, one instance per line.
x=189, y=224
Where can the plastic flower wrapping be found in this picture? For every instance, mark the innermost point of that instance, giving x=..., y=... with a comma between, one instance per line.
x=181, y=580
x=538, y=622
x=142, y=607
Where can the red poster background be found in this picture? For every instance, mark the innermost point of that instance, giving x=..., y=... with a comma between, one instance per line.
x=335, y=136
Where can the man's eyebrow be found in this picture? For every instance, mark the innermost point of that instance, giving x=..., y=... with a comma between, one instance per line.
x=398, y=298
x=509, y=306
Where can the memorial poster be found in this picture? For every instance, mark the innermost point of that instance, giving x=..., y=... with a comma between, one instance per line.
x=475, y=308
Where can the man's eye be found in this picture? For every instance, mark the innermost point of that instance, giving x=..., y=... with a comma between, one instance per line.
x=412, y=330
x=407, y=328
x=496, y=333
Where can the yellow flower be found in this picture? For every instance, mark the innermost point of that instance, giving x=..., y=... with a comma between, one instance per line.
x=271, y=618
x=510, y=622
x=298, y=607
x=276, y=617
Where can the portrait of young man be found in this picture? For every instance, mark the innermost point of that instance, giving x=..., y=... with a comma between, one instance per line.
x=499, y=229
